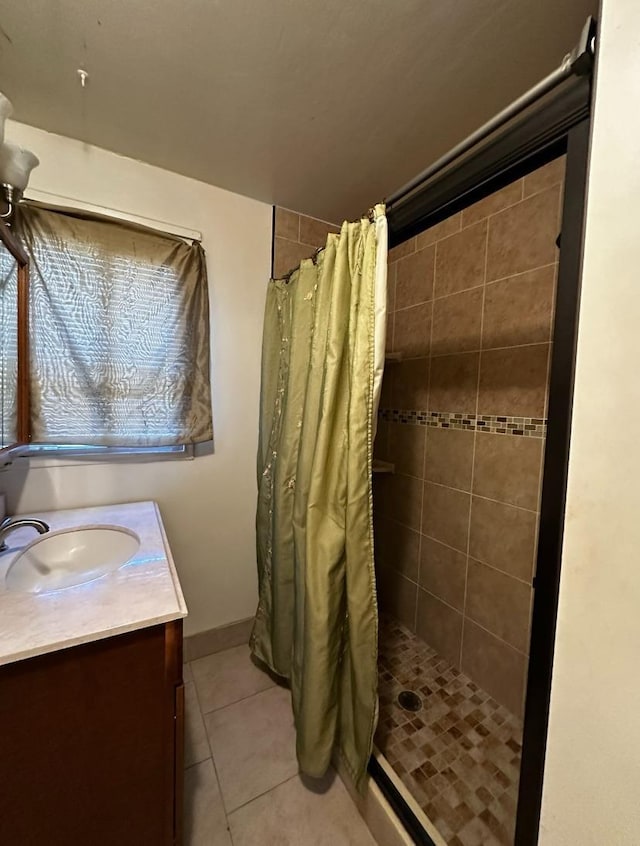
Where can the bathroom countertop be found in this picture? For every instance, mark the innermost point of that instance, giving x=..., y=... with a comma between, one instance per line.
x=143, y=592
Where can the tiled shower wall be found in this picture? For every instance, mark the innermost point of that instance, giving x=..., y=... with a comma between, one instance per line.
x=463, y=420
x=296, y=237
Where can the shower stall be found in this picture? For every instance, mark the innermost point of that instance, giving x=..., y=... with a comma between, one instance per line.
x=470, y=466
x=462, y=425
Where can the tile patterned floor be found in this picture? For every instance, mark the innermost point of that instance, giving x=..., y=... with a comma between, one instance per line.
x=242, y=786
x=459, y=756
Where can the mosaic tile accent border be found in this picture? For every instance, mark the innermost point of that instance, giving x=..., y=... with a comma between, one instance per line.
x=527, y=427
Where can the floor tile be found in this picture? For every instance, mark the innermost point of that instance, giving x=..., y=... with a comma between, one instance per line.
x=253, y=744
x=295, y=814
x=196, y=744
x=459, y=753
x=227, y=677
x=187, y=673
x=205, y=823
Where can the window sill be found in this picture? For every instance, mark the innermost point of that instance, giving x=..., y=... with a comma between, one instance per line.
x=52, y=455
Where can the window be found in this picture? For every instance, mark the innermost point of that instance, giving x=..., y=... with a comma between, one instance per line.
x=119, y=333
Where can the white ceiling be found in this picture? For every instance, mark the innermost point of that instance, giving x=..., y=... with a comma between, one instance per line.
x=324, y=107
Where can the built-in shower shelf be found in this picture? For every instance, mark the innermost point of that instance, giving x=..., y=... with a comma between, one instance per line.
x=383, y=466
x=392, y=358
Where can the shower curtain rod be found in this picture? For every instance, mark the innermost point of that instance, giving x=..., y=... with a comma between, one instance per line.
x=576, y=63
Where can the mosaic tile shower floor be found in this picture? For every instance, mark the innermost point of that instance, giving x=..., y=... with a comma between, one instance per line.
x=459, y=756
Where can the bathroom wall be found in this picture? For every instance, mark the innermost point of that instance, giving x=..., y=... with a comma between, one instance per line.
x=592, y=769
x=208, y=504
x=463, y=421
x=295, y=237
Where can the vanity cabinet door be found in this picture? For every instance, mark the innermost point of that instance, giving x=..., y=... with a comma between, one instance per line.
x=88, y=751
x=178, y=803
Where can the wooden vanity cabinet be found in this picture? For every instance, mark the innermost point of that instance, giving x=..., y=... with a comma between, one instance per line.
x=91, y=743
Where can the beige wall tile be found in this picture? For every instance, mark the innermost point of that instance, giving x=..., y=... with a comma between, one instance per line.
x=497, y=667
x=460, y=260
x=457, y=321
x=453, y=383
x=411, y=384
x=287, y=224
x=397, y=596
x=507, y=196
x=404, y=555
x=402, y=250
x=288, y=255
x=381, y=442
x=382, y=494
x=449, y=457
x=398, y=548
x=314, y=231
x=406, y=500
x=545, y=176
x=513, y=381
x=499, y=603
x=414, y=278
x=441, y=230
x=392, y=268
x=382, y=532
x=445, y=515
x=503, y=536
x=518, y=310
x=378, y=513
x=388, y=344
x=523, y=236
x=413, y=331
x=407, y=448
x=443, y=572
x=507, y=468
x=386, y=390
x=381, y=573
x=440, y=626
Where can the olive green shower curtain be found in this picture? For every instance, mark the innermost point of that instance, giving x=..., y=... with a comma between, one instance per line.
x=316, y=622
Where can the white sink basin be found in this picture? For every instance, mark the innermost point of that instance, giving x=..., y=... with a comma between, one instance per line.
x=70, y=557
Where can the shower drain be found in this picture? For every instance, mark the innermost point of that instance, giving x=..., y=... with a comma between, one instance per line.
x=409, y=700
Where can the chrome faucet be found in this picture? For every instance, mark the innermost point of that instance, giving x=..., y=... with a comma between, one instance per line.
x=10, y=524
